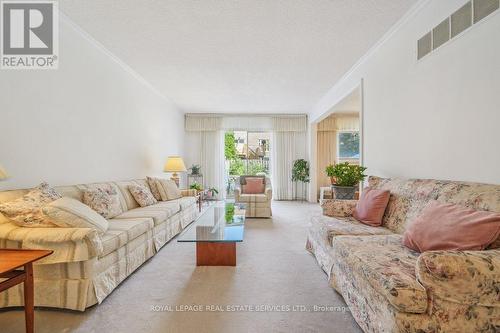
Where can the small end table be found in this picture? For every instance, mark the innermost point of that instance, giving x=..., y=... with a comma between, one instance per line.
x=10, y=262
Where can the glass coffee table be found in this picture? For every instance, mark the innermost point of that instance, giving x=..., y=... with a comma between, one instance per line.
x=216, y=233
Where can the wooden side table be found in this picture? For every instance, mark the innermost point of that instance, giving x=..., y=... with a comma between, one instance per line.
x=11, y=260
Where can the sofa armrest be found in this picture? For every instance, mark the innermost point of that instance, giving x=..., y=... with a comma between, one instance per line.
x=464, y=277
x=237, y=193
x=68, y=244
x=269, y=193
x=191, y=192
x=338, y=208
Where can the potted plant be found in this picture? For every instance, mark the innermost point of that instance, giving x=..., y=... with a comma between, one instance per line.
x=345, y=178
x=300, y=171
x=212, y=192
x=195, y=169
x=196, y=186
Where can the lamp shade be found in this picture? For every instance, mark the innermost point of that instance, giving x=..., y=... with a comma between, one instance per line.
x=3, y=173
x=174, y=164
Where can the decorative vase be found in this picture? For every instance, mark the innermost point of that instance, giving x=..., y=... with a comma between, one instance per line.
x=344, y=192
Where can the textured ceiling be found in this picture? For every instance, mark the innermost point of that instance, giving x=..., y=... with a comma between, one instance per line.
x=238, y=55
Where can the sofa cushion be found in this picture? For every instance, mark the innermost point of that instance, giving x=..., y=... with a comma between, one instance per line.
x=154, y=188
x=157, y=213
x=253, y=198
x=122, y=231
x=142, y=194
x=332, y=227
x=186, y=202
x=171, y=207
x=168, y=189
x=444, y=226
x=254, y=186
x=104, y=199
x=123, y=187
x=71, y=213
x=387, y=265
x=338, y=208
x=26, y=211
x=371, y=206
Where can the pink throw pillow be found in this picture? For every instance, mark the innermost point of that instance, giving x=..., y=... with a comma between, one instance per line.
x=443, y=226
x=371, y=206
x=254, y=186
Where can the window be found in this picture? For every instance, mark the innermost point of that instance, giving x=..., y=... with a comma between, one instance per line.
x=247, y=153
x=347, y=146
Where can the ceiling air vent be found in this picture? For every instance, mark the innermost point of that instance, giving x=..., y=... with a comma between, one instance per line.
x=483, y=8
x=461, y=20
x=424, y=45
x=441, y=34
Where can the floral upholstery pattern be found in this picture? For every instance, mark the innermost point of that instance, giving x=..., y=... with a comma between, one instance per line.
x=104, y=199
x=338, y=208
x=26, y=210
x=142, y=195
x=344, y=227
x=390, y=288
x=154, y=189
x=465, y=277
x=410, y=196
x=387, y=265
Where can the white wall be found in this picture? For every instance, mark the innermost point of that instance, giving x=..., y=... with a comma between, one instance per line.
x=436, y=118
x=90, y=120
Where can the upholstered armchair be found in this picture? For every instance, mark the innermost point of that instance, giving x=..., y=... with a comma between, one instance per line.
x=256, y=193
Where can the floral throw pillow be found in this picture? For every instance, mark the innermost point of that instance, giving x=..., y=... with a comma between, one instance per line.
x=26, y=211
x=142, y=195
x=154, y=189
x=103, y=199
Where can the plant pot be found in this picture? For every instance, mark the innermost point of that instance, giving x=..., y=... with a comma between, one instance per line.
x=344, y=192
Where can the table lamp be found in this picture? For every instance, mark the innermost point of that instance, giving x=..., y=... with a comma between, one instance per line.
x=3, y=173
x=175, y=164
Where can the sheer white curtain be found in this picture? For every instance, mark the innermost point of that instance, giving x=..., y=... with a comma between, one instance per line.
x=212, y=160
x=288, y=143
x=286, y=147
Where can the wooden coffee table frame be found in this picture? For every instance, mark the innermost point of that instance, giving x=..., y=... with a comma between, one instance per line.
x=215, y=253
x=12, y=261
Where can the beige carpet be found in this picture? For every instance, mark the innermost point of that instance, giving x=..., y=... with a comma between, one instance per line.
x=273, y=270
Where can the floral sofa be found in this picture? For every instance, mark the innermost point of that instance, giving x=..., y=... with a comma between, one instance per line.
x=390, y=288
x=85, y=266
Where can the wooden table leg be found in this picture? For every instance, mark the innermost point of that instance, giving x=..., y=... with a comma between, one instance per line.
x=29, y=298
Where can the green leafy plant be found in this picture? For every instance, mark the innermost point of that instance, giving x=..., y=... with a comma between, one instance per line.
x=213, y=190
x=236, y=167
x=195, y=169
x=255, y=168
x=230, y=151
x=345, y=174
x=196, y=186
x=229, y=213
x=300, y=171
